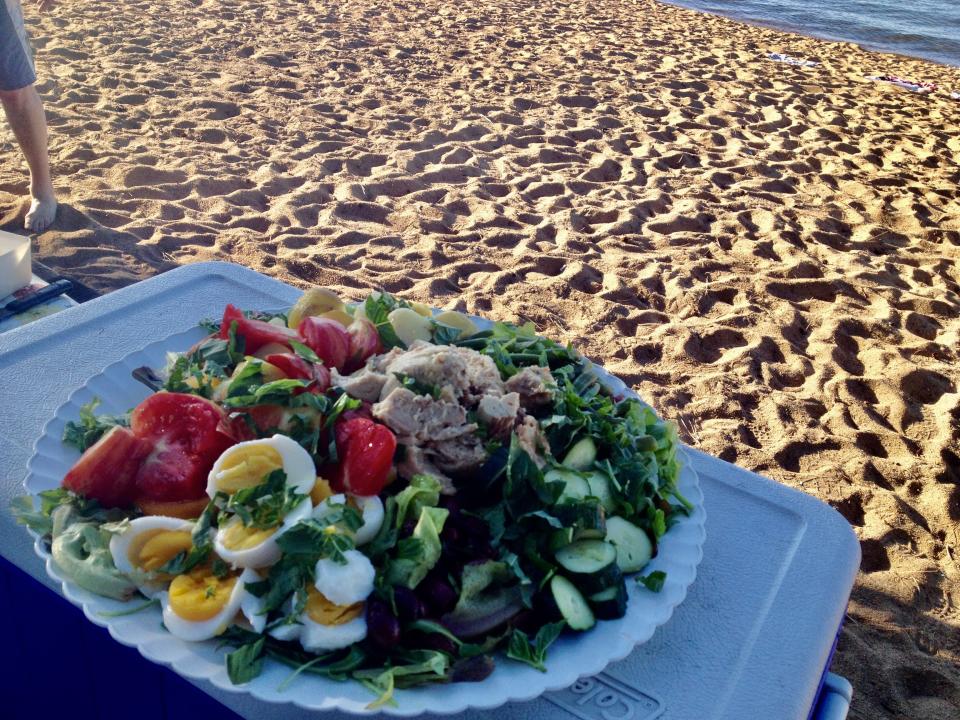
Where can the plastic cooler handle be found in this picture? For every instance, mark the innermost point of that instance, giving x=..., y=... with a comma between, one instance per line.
x=835, y=699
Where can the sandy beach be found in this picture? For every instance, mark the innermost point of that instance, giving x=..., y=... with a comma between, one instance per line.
x=768, y=253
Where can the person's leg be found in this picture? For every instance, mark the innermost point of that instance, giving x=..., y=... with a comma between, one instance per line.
x=23, y=108
x=24, y=111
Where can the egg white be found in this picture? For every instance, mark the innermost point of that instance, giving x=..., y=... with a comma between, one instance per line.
x=120, y=544
x=267, y=552
x=316, y=637
x=297, y=463
x=251, y=606
x=371, y=510
x=371, y=507
x=345, y=583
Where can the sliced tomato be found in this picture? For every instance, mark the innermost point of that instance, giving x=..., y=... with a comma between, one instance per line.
x=365, y=451
x=295, y=367
x=255, y=333
x=190, y=421
x=107, y=471
x=187, y=436
x=328, y=339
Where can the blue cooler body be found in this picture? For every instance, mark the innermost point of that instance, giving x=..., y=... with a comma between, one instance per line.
x=753, y=639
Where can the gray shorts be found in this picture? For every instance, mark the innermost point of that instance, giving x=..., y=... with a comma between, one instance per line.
x=16, y=61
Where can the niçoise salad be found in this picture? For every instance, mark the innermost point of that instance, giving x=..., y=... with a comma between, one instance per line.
x=368, y=491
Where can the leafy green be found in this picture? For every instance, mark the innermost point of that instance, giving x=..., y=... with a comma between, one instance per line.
x=377, y=308
x=264, y=506
x=81, y=509
x=534, y=652
x=246, y=662
x=90, y=428
x=305, y=352
x=421, y=666
x=327, y=537
x=417, y=554
x=423, y=491
x=444, y=334
x=654, y=581
x=417, y=387
x=202, y=537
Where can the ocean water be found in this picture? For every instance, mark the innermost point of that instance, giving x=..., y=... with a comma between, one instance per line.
x=927, y=29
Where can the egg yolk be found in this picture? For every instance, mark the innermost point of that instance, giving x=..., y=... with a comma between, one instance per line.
x=200, y=595
x=321, y=491
x=246, y=467
x=324, y=612
x=237, y=536
x=155, y=548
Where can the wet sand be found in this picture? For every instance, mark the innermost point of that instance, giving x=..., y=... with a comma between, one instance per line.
x=767, y=253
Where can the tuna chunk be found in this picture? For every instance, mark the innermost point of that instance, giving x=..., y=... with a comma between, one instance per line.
x=416, y=462
x=420, y=418
x=459, y=455
x=499, y=414
x=534, y=385
x=531, y=438
x=364, y=384
x=463, y=373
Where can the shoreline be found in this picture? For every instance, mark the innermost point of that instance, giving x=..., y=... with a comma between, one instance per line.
x=803, y=32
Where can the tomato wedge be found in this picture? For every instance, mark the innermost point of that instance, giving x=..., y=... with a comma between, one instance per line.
x=365, y=451
x=295, y=367
x=107, y=471
x=255, y=333
x=187, y=434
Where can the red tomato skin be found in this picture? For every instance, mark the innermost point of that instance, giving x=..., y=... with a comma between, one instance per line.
x=296, y=368
x=328, y=339
x=107, y=471
x=188, y=420
x=365, y=451
x=291, y=365
x=255, y=333
x=187, y=434
x=364, y=343
x=171, y=474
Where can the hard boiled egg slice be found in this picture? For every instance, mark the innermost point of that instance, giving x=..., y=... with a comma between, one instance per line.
x=249, y=547
x=289, y=631
x=328, y=626
x=370, y=508
x=199, y=605
x=251, y=606
x=147, y=544
x=248, y=464
x=345, y=583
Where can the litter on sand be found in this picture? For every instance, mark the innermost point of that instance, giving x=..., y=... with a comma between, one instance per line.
x=917, y=86
x=780, y=57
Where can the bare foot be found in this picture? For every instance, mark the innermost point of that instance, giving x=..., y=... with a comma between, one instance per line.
x=41, y=213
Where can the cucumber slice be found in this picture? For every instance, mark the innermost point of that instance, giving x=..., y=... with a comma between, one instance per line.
x=571, y=603
x=586, y=517
x=611, y=603
x=591, y=564
x=633, y=545
x=582, y=455
x=575, y=487
x=560, y=538
x=600, y=488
